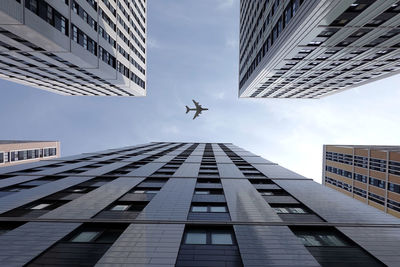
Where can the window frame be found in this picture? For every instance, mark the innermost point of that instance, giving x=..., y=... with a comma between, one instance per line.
x=319, y=236
x=209, y=236
x=209, y=207
x=289, y=209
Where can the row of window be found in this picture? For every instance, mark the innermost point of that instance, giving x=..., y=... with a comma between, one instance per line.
x=364, y=179
x=84, y=15
x=27, y=154
x=201, y=235
x=371, y=196
x=49, y=14
x=53, y=17
x=98, y=237
x=339, y=184
x=359, y=161
x=339, y=157
x=388, y=14
x=282, y=22
x=84, y=40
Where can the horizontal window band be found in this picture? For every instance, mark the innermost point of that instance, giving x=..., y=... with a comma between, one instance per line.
x=186, y=222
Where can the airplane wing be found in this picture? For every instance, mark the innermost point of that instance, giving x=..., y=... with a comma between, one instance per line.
x=196, y=104
x=198, y=112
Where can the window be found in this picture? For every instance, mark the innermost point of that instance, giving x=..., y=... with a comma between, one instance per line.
x=208, y=237
x=209, y=208
x=1, y=157
x=196, y=237
x=294, y=209
x=97, y=233
x=120, y=207
x=321, y=238
x=85, y=237
x=129, y=206
x=208, y=192
x=199, y=209
x=202, y=192
x=261, y=181
x=377, y=182
x=49, y=14
x=277, y=192
x=40, y=206
x=146, y=191
x=221, y=238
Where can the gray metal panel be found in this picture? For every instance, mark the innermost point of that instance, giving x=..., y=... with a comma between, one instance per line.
x=209, y=198
x=281, y=199
x=145, y=245
x=13, y=201
x=332, y=205
x=8, y=169
x=223, y=159
x=146, y=170
x=271, y=246
x=209, y=186
x=245, y=203
x=266, y=186
x=216, y=149
x=276, y=171
x=209, y=216
x=95, y=201
x=105, y=169
x=229, y=171
x=172, y=202
x=197, y=154
x=194, y=158
x=17, y=180
x=23, y=244
x=383, y=243
x=257, y=160
x=165, y=158
x=187, y=170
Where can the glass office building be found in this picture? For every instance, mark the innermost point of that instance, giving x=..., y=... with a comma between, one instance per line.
x=311, y=49
x=183, y=204
x=75, y=47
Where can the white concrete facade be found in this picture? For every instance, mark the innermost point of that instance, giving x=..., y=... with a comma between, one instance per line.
x=75, y=47
x=311, y=49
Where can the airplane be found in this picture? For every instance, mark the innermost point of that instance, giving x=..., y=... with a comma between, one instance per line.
x=198, y=109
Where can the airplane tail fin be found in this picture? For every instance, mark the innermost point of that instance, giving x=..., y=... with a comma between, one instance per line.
x=187, y=109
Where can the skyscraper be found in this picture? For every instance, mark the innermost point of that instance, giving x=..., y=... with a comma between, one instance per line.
x=13, y=152
x=184, y=204
x=370, y=174
x=311, y=49
x=75, y=47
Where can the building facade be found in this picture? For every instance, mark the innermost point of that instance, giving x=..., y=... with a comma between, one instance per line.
x=311, y=49
x=75, y=47
x=370, y=174
x=13, y=152
x=183, y=204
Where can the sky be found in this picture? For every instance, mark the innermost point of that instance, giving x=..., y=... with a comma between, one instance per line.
x=192, y=51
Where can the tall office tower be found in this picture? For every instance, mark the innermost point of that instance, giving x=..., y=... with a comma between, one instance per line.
x=184, y=204
x=13, y=152
x=370, y=174
x=75, y=47
x=311, y=49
